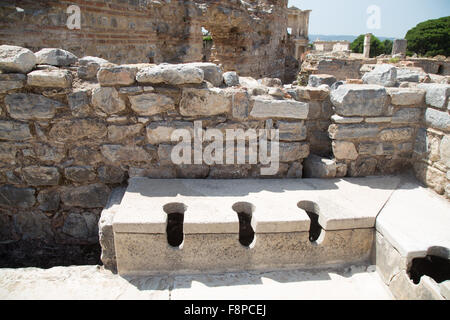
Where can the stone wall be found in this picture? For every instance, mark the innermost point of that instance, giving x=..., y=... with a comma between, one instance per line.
x=249, y=37
x=374, y=128
x=68, y=139
x=432, y=147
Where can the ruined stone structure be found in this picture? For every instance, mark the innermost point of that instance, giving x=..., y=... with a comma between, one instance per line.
x=298, y=22
x=249, y=37
x=86, y=150
x=331, y=46
x=367, y=39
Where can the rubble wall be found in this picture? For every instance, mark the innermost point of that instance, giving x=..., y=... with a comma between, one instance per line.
x=432, y=145
x=374, y=128
x=67, y=140
x=249, y=37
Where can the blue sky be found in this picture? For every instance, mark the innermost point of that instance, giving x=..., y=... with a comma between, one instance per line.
x=349, y=17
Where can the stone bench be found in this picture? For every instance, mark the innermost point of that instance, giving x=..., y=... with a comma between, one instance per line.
x=195, y=226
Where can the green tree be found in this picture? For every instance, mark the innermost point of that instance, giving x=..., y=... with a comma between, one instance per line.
x=430, y=38
x=376, y=46
x=388, y=44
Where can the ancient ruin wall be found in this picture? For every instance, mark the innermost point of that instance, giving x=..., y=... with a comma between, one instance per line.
x=374, y=128
x=66, y=142
x=249, y=37
x=432, y=146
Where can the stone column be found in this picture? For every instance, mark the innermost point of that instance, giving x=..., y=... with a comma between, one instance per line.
x=399, y=47
x=367, y=45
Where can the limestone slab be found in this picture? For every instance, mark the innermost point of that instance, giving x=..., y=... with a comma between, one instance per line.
x=414, y=220
x=223, y=252
x=275, y=202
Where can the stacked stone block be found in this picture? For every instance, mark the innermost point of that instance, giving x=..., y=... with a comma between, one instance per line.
x=432, y=145
x=67, y=141
x=374, y=128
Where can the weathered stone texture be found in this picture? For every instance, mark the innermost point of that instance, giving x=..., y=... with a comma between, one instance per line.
x=359, y=100
x=107, y=100
x=50, y=78
x=204, y=102
x=89, y=196
x=16, y=59
x=55, y=57
x=171, y=74
x=28, y=106
x=117, y=75
x=150, y=104
x=383, y=75
x=288, y=109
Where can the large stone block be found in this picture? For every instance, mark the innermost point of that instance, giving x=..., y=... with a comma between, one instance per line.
x=174, y=74
x=353, y=131
x=15, y=131
x=293, y=151
x=231, y=79
x=445, y=151
x=292, y=131
x=407, y=115
x=89, y=196
x=437, y=94
x=160, y=132
x=79, y=103
x=240, y=103
x=74, y=130
x=310, y=93
x=344, y=150
x=11, y=81
x=80, y=173
x=359, y=100
x=107, y=100
x=287, y=109
x=89, y=67
x=410, y=74
x=316, y=80
x=129, y=153
x=212, y=72
x=383, y=75
x=150, y=104
x=7, y=151
x=14, y=197
x=318, y=167
x=49, y=200
x=28, y=106
x=55, y=57
x=117, y=75
x=396, y=134
x=33, y=225
x=406, y=96
x=111, y=174
x=118, y=133
x=204, y=102
x=41, y=176
x=437, y=119
x=50, y=78
x=16, y=59
x=363, y=167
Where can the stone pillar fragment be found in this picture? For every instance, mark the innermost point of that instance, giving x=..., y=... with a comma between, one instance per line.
x=367, y=45
x=399, y=47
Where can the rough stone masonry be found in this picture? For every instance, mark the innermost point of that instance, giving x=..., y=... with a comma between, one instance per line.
x=73, y=129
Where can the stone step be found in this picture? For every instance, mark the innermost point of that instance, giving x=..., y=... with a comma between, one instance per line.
x=192, y=226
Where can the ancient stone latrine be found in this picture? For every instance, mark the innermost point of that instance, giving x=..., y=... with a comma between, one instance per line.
x=74, y=130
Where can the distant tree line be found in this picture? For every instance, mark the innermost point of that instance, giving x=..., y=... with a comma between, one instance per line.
x=429, y=39
x=377, y=47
